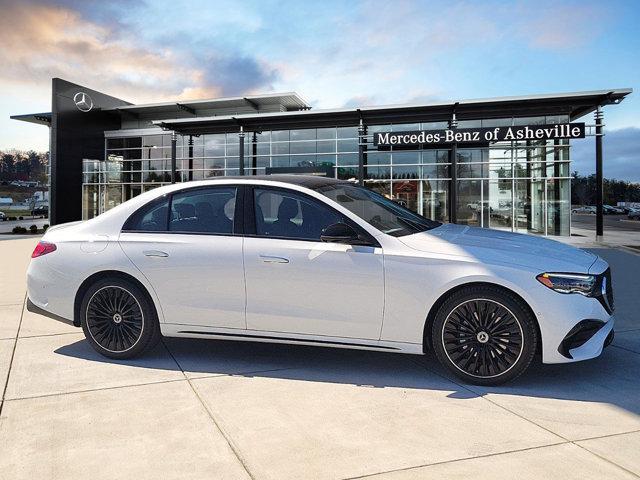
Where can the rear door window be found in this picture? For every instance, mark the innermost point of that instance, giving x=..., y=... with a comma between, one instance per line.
x=150, y=218
x=205, y=210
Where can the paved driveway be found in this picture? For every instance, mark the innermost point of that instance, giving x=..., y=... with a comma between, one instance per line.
x=612, y=223
x=196, y=409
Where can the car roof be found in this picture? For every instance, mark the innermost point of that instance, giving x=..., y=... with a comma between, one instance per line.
x=308, y=181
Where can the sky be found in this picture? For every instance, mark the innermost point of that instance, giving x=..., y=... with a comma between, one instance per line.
x=333, y=53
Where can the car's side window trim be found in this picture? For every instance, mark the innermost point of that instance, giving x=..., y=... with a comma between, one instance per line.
x=169, y=210
x=250, y=215
x=238, y=211
x=249, y=212
x=237, y=214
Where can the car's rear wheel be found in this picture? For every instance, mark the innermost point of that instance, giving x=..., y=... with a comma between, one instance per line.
x=118, y=318
x=484, y=335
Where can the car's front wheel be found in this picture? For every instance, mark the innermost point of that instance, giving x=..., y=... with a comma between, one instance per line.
x=484, y=335
x=118, y=318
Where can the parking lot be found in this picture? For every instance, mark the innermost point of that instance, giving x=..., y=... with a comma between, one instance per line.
x=196, y=409
x=611, y=222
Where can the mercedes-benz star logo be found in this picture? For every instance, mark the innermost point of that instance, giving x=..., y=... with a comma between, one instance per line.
x=83, y=101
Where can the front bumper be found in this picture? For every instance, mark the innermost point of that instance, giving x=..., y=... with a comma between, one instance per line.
x=587, y=339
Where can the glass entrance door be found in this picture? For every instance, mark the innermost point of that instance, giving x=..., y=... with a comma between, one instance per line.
x=529, y=206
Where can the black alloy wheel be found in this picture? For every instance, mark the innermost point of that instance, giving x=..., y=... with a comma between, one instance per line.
x=114, y=319
x=482, y=338
x=118, y=318
x=484, y=335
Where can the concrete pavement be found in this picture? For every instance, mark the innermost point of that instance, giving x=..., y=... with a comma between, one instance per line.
x=194, y=408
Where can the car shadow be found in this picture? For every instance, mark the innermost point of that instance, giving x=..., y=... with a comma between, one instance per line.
x=612, y=378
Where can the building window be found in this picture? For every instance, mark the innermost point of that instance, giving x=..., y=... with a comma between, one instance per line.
x=518, y=186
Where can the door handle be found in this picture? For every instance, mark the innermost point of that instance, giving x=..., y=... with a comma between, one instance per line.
x=155, y=253
x=273, y=259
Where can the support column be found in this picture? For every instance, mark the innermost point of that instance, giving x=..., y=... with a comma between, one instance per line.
x=254, y=153
x=174, y=142
x=599, y=176
x=557, y=218
x=241, y=151
x=529, y=197
x=453, y=189
x=362, y=149
x=190, y=157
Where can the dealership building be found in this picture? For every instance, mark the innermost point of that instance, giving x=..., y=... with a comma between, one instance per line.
x=499, y=163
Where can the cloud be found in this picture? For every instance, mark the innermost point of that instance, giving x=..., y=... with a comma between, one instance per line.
x=98, y=11
x=560, y=26
x=408, y=48
x=360, y=101
x=621, y=154
x=41, y=41
x=236, y=75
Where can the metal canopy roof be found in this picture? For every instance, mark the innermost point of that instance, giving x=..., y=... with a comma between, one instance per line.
x=574, y=104
x=288, y=101
x=39, y=118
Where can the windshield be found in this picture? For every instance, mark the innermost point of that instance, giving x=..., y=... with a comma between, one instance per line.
x=378, y=211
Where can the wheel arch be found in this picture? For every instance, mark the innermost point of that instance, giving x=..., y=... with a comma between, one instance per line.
x=426, y=333
x=90, y=280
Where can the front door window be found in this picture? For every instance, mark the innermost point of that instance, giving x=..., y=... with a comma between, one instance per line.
x=282, y=214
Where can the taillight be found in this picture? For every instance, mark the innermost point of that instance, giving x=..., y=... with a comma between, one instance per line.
x=42, y=249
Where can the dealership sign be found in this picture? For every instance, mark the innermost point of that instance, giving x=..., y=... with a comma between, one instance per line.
x=480, y=135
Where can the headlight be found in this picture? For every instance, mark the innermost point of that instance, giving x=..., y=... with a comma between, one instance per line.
x=569, y=283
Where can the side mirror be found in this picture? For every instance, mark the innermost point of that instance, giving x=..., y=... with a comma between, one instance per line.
x=342, y=233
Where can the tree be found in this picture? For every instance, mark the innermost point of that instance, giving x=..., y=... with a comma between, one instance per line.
x=7, y=165
x=22, y=165
x=583, y=190
x=29, y=165
x=34, y=163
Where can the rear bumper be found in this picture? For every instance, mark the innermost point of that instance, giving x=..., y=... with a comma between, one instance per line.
x=33, y=308
x=51, y=291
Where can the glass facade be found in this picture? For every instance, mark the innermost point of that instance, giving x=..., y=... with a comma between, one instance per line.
x=516, y=186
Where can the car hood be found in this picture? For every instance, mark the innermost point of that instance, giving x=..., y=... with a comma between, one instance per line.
x=495, y=246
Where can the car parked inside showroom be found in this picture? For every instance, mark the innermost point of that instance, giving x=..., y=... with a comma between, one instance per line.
x=319, y=261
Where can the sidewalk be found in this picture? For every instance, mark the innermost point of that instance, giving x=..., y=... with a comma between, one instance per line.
x=586, y=238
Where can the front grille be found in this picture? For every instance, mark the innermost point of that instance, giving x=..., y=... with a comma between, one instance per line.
x=609, y=289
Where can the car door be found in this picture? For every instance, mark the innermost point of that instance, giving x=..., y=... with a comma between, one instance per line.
x=190, y=248
x=298, y=284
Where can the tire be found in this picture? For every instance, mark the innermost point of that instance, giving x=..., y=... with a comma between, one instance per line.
x=119, y=319
x=484, y=335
